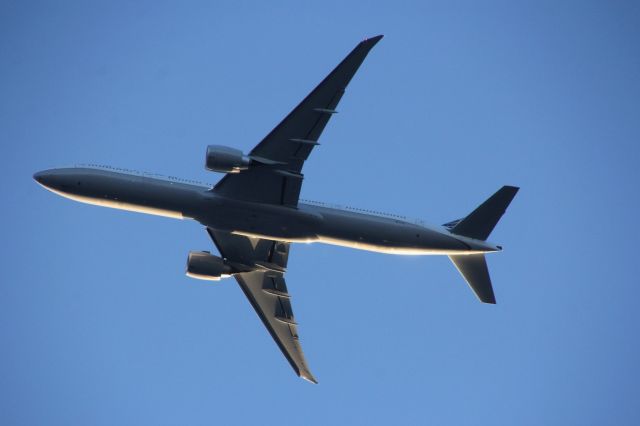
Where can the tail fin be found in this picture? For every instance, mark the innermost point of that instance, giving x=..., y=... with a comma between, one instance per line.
x=482, y=220
x=473, y=267
x=478, y=225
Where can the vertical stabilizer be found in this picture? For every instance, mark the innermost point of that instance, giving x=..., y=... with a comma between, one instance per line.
x=482, y=220
x=473, y=268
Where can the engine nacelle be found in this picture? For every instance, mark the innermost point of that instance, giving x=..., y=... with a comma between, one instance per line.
x=224, y=159
x=203, y=265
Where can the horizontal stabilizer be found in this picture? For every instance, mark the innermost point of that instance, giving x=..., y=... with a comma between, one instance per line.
x=473, y=268
x=482, y=220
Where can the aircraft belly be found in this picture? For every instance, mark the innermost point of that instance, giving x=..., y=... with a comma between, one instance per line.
x=121, y=205
x=258, y=220
x=382, y=235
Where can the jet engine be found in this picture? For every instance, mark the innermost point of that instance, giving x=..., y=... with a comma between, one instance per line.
x=202, y=265
x=224, y=159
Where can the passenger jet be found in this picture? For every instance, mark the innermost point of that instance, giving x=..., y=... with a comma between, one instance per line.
x=254, y=214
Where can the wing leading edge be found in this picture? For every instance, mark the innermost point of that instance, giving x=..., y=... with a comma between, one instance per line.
x=266, y=290
x=290, y=143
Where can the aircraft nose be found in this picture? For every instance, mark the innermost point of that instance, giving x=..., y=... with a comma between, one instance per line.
x=39, y=177
x=59, y=180
x=45, y=178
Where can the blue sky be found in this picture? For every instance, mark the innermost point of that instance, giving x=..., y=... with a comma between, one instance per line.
x=100, y=326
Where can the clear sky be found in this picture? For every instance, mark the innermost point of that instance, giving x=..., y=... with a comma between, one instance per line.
x=99, y=325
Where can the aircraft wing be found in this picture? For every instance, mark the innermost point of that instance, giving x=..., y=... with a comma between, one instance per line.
x=277, y=179
x=266, y=290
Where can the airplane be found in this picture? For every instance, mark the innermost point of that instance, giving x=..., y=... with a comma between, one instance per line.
x=254, y=213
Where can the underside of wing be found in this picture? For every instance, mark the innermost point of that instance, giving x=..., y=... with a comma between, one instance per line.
x=268, y=295
x=266, y=290
x=288, y=145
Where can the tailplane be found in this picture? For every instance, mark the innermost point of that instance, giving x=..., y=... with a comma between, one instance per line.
x=473, y=267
